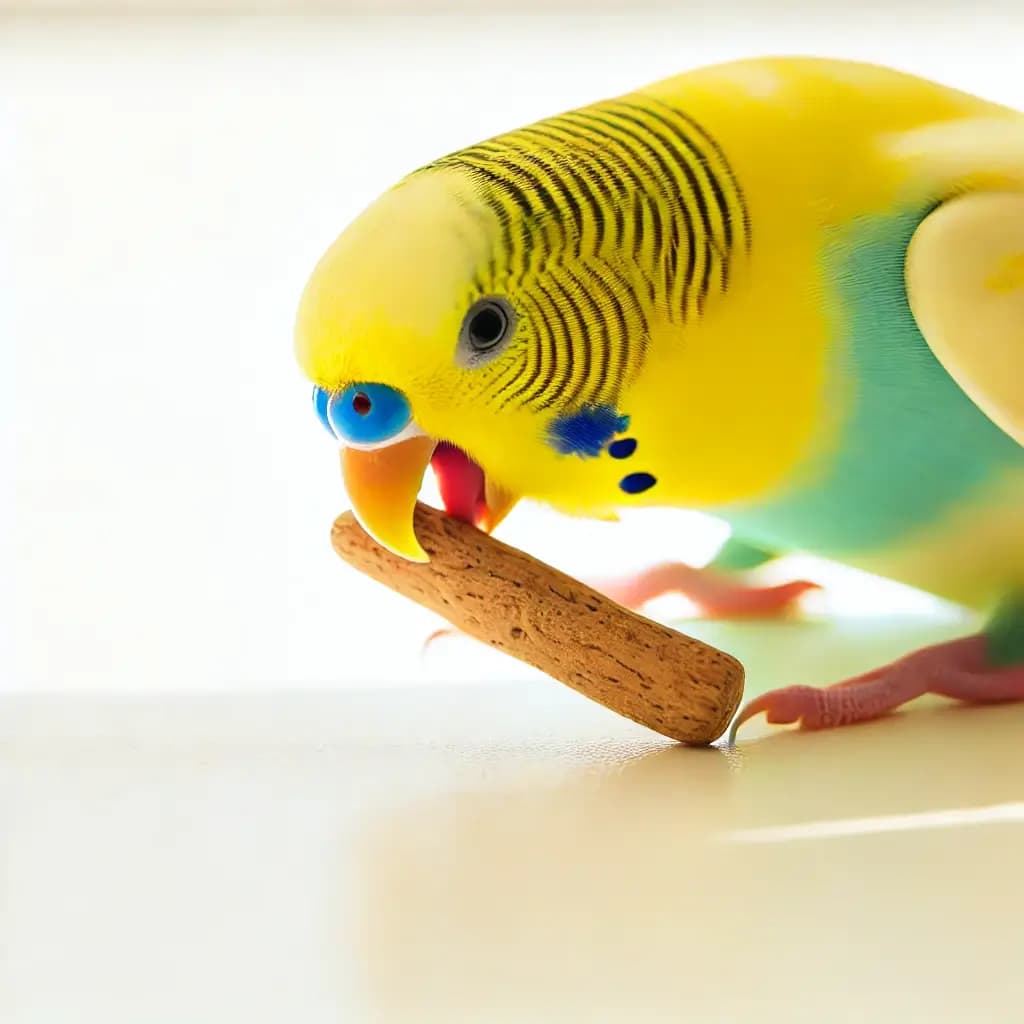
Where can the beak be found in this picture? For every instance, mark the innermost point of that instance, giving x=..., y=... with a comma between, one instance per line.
x=383, y=485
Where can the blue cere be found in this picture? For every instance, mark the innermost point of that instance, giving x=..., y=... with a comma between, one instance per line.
x=637, y=483
x=367, y=413
x=623, y=448
x=320, y=402
x=586, y=432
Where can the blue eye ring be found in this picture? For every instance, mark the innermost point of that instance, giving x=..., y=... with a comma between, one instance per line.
x=365, y=414
x=321, y=399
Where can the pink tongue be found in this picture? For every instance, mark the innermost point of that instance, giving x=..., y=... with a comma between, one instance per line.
x=461, y=483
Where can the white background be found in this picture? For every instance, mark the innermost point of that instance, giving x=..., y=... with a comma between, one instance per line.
x=165, y=188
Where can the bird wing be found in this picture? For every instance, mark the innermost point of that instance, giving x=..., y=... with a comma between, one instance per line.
x=965, y=283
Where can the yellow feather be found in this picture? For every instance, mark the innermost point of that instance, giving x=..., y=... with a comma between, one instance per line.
x=730, y=396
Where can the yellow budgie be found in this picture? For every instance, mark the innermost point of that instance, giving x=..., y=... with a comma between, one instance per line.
x=786, y=292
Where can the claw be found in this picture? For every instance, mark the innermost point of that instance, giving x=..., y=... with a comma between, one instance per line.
x=438, y=634
x=959, y=669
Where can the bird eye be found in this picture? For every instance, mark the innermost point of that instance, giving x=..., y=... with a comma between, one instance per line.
x=487, y=326
x=488, y=323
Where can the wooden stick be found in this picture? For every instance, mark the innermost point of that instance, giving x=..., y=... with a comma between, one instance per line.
x=673, y=684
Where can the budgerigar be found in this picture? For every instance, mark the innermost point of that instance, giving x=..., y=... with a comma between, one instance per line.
x=785, y=292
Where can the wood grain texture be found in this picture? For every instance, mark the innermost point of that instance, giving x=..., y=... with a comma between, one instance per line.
x=671, y=683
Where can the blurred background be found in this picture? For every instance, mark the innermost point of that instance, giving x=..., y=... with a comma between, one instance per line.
x=169, y=174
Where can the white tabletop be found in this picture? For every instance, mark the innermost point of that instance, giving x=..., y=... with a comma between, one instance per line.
x=502, y=853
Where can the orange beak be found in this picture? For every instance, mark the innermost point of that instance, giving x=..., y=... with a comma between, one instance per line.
x=383, y=485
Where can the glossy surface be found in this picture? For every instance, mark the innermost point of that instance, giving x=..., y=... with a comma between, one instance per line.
x=505, y=853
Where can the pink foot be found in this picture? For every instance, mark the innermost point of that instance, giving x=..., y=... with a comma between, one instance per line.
x=958, y=669
x=717, y=595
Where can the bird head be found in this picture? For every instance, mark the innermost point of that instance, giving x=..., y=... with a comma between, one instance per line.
x=471, y=320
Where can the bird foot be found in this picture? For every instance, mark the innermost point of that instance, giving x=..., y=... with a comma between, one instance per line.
x=959, y=669
x=718, y=595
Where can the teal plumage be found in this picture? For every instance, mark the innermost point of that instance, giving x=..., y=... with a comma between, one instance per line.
x=874, y=482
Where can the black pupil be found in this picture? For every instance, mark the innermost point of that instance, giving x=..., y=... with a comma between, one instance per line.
x=487, y=326
x=361, y=403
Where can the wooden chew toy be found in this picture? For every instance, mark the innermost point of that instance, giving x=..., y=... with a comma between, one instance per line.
x=673, y=684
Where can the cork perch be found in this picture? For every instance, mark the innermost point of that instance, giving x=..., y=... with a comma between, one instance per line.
x=673, y=684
